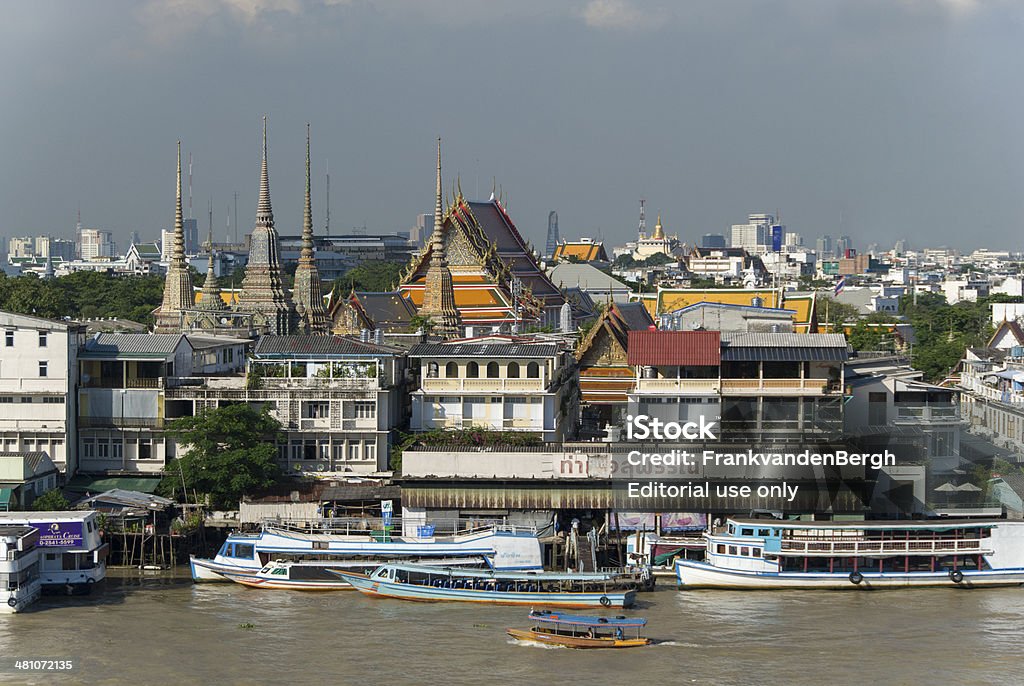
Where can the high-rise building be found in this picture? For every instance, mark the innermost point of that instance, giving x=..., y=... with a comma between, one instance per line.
x=756, y=235
x=133, y=238
x=21, y=246
x=191, y=229
x=713, y=240
x=423, y=227
x=552, y=234
x=823, y=247
x=844, y=245
x=95, y=243
x=794, y=240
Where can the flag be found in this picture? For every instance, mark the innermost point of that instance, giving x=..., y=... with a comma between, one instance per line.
x=839, y=286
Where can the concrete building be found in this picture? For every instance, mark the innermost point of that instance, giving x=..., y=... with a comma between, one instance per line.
x=24, y=477
x=38, y=380
x=95, y=243
x=500, y=383
x=23, y=246
x=756, y=235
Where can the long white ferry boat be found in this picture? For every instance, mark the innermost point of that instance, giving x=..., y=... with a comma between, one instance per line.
x=767, y=554
x=366, y=545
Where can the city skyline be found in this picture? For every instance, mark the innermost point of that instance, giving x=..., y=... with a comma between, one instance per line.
x=892, y=116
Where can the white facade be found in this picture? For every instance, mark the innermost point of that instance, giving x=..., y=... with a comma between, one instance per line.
x=718, y=265
x=94, y=243
x=19, y=567
x=38, y=376
x=71, y=551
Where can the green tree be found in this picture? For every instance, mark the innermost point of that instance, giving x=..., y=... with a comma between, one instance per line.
x=228, y=451
x=371, y=277
x=51, y=501
x=835, y=313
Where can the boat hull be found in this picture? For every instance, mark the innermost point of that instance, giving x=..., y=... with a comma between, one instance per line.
x=256, y=581
x=576, y=642
x=205, y=570
x=402, y=591
x=693, y=575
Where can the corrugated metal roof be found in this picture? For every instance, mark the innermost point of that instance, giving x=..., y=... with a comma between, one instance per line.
x=514, y=350
x=783, y=340
x=319, y=346
x=687, y=348
x=106, y=345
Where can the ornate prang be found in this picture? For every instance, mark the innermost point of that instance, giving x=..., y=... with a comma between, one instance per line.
x=438, y=291
x=178, y=294
x=307, y=294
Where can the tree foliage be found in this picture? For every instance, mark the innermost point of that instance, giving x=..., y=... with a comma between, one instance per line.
x=371, y=277
x=83, y=295
x=51, y=501
x=945, y=331
x=228, y=451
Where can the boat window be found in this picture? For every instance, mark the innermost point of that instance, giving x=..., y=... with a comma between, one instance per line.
x=244, y=550
x=732, y=550
x=764, y=532
x=382, y=573
x=746, y=532
x=732, y=528
x=280, y=571
x=745, y=551
x=265, y=570
x=721, y=549
x=756, y=552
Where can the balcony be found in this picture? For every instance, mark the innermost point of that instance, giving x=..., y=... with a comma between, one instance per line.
x=777, y=387
x=928, y=414
x=121, y=422
x=695, y=386
x=482, y=385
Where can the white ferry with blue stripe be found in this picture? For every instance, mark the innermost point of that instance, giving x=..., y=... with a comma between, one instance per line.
x=770, y=553
x=365, y=545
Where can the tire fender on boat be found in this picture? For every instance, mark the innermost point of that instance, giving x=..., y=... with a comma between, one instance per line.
x=12, y=601
x=856, y=578
x=606, y=601
x=956, y=576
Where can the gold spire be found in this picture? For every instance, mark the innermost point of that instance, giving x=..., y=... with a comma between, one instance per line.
x=659, y=232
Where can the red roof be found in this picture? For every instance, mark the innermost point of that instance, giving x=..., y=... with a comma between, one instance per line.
x=684, y=348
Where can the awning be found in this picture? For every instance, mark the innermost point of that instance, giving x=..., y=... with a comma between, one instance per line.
x=6, y=496
x=101, y=484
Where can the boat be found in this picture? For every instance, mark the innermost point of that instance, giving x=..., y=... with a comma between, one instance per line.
x=369, y=542
x=768, y=553
x=583, y=631
x=19, y=567
x=555, y=589
x=291, y=576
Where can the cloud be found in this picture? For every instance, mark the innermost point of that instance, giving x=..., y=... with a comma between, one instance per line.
x=618, y=14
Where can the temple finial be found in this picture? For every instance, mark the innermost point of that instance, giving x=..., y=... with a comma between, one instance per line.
x=264, y=211
x=307, y=215
x=438, y=208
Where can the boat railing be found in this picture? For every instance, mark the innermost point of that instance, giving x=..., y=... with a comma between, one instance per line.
x=866, y=547
x=374, y=526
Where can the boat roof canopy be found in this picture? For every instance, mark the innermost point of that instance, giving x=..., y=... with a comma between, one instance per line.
x=586, y=620
x=935, y=524
x=489, y=574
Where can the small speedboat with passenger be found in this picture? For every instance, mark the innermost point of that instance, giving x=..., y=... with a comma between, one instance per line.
x=583, y=631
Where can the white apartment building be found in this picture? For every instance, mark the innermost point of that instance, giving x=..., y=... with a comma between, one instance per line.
x=497, y=385
x=93, y=243
x=756, y=235
x=38, y=378
x=21, y=246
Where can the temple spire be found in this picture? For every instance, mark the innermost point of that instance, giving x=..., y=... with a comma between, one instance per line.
x=659, y=232
x=211, y=299
x=264, y=212
x=178, y=294
x=438, y=290
x=308, y=293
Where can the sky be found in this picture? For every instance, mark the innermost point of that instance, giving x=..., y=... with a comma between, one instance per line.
x=881, y=119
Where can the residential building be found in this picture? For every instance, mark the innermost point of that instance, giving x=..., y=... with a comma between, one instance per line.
x=500, y=383
x=339, y=400
x=713, y=240
x=38, y=381
x=756, y=235
x=24, y=477
x=95, y=243
x=23, y=246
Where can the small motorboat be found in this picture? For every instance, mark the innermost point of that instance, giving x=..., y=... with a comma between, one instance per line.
x=583, y=631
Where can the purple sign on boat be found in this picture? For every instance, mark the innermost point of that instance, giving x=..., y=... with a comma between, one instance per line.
x=60, y=534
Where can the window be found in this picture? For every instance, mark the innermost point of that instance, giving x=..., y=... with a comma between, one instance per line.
x=88, y=447
x=318, y=410
x=721, y=549
x=472, y=370
x=746, y=532
x=53, y=399
x=756, y=552
x=145, y=449
x=9, y=338
x=26, y=399
x=432, y=370
x=103, y=450
x=42, y=339
x=533, y=370
x=732, y=550
x=451, y=370
x=366, y=410
x=513, y=370
x=492, y=370
x=43, y=364
x=353, y=450
x=745, y=551
x=6, y=398
x=117, y=450
x=370, y=452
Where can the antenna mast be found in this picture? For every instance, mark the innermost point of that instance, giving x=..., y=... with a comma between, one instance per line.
x=642, y=230
x=327, y=222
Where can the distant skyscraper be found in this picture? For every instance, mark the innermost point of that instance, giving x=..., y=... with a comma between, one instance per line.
x=754, y=236
x=794, y=240
x=901, y=246
x=843, y=245
x=552, y=234
x=21, y=246
x=133, y=238
x=191, y=236
x=824, y=247
x=94, y=243
x=713, y=240
x=424, y=225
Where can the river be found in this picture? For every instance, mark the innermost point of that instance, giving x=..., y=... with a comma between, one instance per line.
x=158, y=628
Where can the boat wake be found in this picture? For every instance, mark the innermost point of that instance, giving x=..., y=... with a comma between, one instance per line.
x=536, y=644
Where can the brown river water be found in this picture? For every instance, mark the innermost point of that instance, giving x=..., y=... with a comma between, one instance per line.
x=156, y=628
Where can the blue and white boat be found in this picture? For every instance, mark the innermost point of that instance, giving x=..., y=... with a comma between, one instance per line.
x=366, y=544
x=768, y=553
x=550, y=589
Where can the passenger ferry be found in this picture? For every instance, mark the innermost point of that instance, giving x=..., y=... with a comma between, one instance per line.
x=767, y=553
x=503, y=546
x=19, y=567
x=555, y=589
x=581, y=631
x=72, y=554
x=316, y=576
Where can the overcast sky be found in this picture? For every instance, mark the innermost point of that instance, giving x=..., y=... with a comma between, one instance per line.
x=876, y=118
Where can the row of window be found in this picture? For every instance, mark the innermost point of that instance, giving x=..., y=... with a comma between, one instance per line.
x=340, y=451
x=9, y=338
x=113, y=449
x=481, y=400
x=322, y=410
x=45, y=399
x=493, y=370
x=743, y=550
